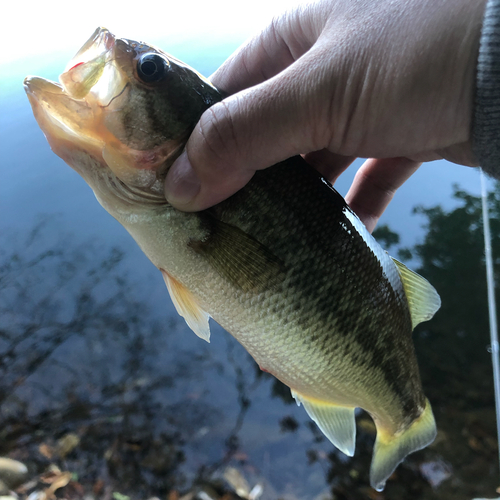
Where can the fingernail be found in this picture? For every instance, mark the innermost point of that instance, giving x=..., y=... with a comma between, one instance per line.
x=182, y=183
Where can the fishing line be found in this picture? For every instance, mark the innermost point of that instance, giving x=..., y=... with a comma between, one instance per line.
x=491, y=300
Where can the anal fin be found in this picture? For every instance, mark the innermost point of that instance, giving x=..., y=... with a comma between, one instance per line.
x=337, y=423
x=187, y=307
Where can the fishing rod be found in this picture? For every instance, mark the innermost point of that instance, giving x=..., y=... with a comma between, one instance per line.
x=490, y=279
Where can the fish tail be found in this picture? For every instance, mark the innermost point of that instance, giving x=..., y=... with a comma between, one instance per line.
x=391, y=449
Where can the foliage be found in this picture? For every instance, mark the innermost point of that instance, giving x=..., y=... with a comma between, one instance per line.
x=452, y=259
x=385, y=236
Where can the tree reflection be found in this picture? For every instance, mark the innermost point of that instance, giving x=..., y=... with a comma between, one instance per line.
x=79, y=357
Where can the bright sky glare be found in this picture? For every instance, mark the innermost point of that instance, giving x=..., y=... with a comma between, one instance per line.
x=59, y=25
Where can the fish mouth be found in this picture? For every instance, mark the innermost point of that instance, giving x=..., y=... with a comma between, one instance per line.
x=69, y=112
x=82, y=72
x=81, y=116
x=53, y=107
x=88, y=114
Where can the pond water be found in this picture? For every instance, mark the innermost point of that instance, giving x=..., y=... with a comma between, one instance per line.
x=94, y=354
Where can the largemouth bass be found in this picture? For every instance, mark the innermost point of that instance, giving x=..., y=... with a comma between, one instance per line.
x=283, y=265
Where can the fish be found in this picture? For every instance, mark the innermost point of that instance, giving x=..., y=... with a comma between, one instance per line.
x=284, y=265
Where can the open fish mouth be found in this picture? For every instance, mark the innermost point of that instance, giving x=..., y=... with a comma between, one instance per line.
x=71, y=109
x=83, y=71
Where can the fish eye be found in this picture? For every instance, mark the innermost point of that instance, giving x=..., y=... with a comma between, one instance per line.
x=152, y=68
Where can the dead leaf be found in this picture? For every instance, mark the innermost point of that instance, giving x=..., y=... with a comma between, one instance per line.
x=57, y=480
x=51, y=474
x=62, y=481
x=98, y=487
x=237, y=481
x=46, y=451
x=67, y=444
x=173, y=495
x=475, y=444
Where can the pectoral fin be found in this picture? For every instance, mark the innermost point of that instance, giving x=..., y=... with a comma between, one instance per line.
x=187, y=307
x=337, y=423
x=390, y=450
x=238, y=257
x=422, y=297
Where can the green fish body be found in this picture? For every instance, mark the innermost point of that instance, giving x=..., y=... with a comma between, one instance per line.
x=284, y=265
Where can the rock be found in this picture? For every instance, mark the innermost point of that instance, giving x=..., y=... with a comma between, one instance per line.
x=4, y=489
x=37, y=495
x=436, y=472
x=12, y=472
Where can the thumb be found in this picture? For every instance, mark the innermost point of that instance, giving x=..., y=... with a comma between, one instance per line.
x=248, y=131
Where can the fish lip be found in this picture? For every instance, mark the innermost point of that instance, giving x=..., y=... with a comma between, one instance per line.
x=35, y=85
x=53, y=109
x=100, y=42
x=85, y=69
x=39, y=90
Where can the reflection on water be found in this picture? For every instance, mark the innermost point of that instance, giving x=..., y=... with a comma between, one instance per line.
x=154, y=408
x=150, y=410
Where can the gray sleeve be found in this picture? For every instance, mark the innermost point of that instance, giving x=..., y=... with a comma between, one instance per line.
x=486, y=121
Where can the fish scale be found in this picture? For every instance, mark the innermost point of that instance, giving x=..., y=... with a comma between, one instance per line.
x=300, y=291
x=283, y=265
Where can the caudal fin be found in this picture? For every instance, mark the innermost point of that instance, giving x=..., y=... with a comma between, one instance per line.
x=390, y=450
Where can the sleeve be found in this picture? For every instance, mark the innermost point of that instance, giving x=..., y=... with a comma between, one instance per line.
x=486, y=120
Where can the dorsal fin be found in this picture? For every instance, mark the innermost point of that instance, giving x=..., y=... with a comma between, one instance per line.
x=187, y=307
x=422, y=297
x=337, y=423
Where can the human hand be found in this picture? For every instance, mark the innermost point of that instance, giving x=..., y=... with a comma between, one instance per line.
x=389, y=80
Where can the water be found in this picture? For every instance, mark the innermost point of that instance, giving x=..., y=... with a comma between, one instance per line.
x=91, y=346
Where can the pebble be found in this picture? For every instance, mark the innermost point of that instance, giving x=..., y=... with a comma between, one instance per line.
x=4, y=489
x=12, y=472
x=37, y=495
x=436, y=472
